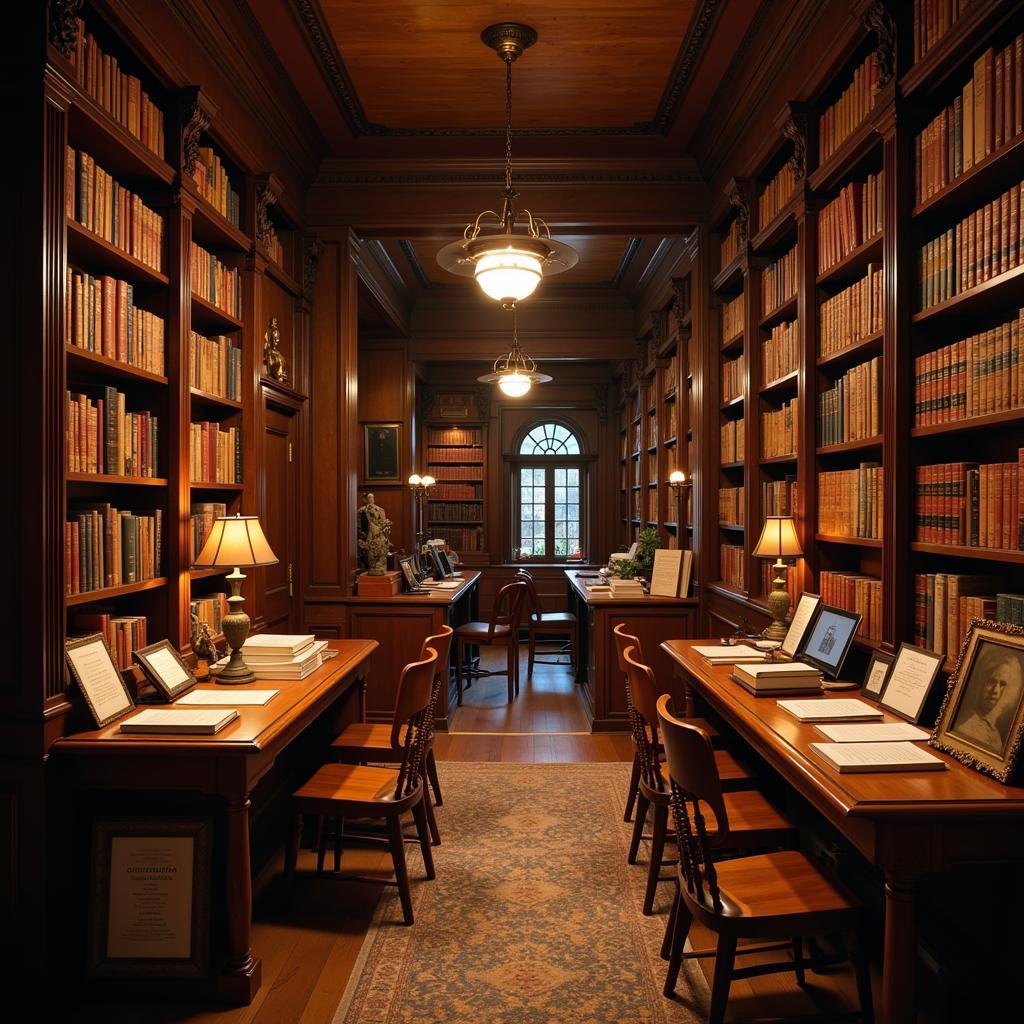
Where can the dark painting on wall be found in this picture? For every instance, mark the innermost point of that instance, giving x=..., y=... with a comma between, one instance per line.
x=382, y=452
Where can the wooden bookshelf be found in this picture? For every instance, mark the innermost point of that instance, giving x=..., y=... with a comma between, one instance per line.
x=457, y=455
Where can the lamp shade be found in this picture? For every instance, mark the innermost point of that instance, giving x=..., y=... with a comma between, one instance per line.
x=235, y=541
x=778, y=539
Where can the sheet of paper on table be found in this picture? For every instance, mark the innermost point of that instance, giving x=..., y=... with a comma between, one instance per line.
x=221, y=698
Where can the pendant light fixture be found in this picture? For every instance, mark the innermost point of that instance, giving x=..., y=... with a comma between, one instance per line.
x=515, y=373
x=508, y=265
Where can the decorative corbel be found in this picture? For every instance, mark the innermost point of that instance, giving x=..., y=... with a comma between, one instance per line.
x=792, y=122
x=312, y=250
x=483, y=402
x=63, y=25
x=736, y=193
x=681, y=306
x=601, y=401
x=196, y=112
x=877, y=19
x=268, y=192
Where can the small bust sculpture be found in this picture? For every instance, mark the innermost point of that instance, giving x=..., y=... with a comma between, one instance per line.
x=203, y=647
x=273, y=361
x=374, y=536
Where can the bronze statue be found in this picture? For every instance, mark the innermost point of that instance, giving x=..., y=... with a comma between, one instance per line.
x=374, y=536
x=273, y=360
x=203, y=647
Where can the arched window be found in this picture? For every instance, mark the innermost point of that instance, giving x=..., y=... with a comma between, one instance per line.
x=548, y=500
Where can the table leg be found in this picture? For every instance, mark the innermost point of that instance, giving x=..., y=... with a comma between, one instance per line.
x=240, y=980
x=899, y=961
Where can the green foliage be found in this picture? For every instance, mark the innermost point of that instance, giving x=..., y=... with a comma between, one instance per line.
x=625, y=568
x=648, y=541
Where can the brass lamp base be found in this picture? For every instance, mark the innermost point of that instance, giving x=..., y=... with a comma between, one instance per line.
x=236, y=629
x=778, y=605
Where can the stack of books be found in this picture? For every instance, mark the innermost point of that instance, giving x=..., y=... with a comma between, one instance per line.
x=283, y=656
x=773, y=677
x=625, y=588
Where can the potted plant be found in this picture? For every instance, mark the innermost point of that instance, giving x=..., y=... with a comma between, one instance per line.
x=648, y=540
x=625, y=568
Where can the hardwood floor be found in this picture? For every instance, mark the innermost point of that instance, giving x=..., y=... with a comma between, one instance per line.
x=308, y=954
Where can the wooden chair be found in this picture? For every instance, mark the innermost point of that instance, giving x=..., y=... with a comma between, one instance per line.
x=622, y=641
x=781, y=896
x=343, y=791
x=544, y=624
x=364, y=742
x=501, y=631
x=756, y=813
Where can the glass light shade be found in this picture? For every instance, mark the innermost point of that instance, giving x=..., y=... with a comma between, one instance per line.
x=235, y=542
x=415, y=480
x=427, y=481
x=677, y=476
x=515, y=385
x=778, y=539
x=508, y=275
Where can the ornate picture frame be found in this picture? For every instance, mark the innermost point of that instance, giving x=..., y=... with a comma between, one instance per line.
x=981, y=721
x=163, y=667
x=382, y=453
x=876, y=675
x=909, y=682
x=98, y=678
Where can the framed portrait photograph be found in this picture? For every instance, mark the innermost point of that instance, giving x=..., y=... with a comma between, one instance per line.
x=382, y=452
x=981, y=722
x=828, y=640
x=409, y=577
x=909, y=681
x=150, y=909
x=163, y=667
x=874, y=679
x=98, y=678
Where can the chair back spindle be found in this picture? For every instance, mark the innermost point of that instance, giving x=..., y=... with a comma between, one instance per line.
x=534, y=608
x=412, y=710
x=441, y=643
x=643, y=688
x=508, y=608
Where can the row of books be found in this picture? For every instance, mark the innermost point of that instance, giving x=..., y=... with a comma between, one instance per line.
x=982, y=245
x=98, y=202
x=283, y=656
x=100, y=315
x=211, y=180
x=102, y=438
x=670, y=376
x=202, y=516
x=210, y=610
x=107, y=547
x=840, y=120
x=636, y=471
x=731, y=565
x=652, y=428
x=652, y=504
x=671, y=420
x=121, y=95
x=778, y=282
x=215, y=455
x=945, y=603
x=461, y=473
x=780, y=353
x=779, y=497
x=976, y=376
x=121, y=633
x=215, y=366
x=733, y=441
x=768, y=571
x=851, y=410
x=275, y=248
x=456, y=435
x=778, y=431
x=734, y=378
x=215, y=281
x=855, y=593
x=451, y=454
x=732, y=505
x=455, y=511
x=463, y=540
x=732, y=318
x=850, y=220
x=457, y=492
x=932, y=20
x=652, y=467
x=986, y=116
x=977, y=505
x=854, y=313
x=775, y=195
x=731, y=243
x=850, y=502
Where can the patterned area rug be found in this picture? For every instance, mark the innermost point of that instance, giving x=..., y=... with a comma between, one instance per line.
x=534, y=917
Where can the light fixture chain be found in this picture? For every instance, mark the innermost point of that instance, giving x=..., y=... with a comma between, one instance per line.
x=508, y=127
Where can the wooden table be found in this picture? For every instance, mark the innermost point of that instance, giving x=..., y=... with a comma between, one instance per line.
x=400, y=624
x=597, y=670
x=227, y=767
x=909, y=825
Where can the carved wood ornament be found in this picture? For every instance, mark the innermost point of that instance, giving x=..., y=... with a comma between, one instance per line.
x=876, y=18
x=268, y=192
x=64, y=25
x=739, y=203
x=195, y=119
x=312, y=250
x=601, y=401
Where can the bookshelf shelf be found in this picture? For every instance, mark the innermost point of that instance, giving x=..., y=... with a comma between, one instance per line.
x=853, y=265
x=733, y=403
x=207, y=315
x=669, y=442
x=864, y=445
x=845, y=160
x=781, y=385
x=729, y=277
x=283, y=278
x=206, y=485
x=860, y=350
x=862, y=542
x=94, y=364
x=994, y=421
x=779, y=460
x=88, y=251
x=119, y=481
x=732, y=465
x=205, y=574
x=963, y=551
x=212, y=230
x=1004, y=288
x=204, y=398
x=784, y=311
x=779, y=230
x=734, y=527
x=734, y=343
x=109, y=593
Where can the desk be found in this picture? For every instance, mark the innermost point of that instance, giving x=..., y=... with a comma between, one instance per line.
x=597, y=668
x=908, y=825
x=226, y=766
x=400, y=624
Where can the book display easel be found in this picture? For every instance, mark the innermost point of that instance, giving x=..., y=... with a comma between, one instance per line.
x=904, y=166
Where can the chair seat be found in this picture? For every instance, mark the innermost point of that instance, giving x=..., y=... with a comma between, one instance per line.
x=365, y=736
x=730, y=771
x=553, y=619
x=750, y=811
x=479, y=630
x=348, y=783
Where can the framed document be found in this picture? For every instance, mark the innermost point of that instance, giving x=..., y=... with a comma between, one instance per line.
x=668, y=564
x=878, y=672
x=909, y=681
x=803, y=614
x=98, y=678
x=828, y=639
x=382, y=461
x=408, y=567
x=164, y=668
x=150, y=913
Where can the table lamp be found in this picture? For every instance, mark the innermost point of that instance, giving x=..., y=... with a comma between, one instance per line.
x=778, y=541
x=235, y=542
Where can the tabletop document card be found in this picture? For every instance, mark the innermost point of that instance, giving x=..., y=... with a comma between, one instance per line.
x=734, y=655
x=869, y=732
x=842, y=709
x=877, y=757
x=665, y=574
x=243, y=698
x=171, y=720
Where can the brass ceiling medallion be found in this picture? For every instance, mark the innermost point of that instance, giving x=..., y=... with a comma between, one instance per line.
x=516, y=372
x=508, y=265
